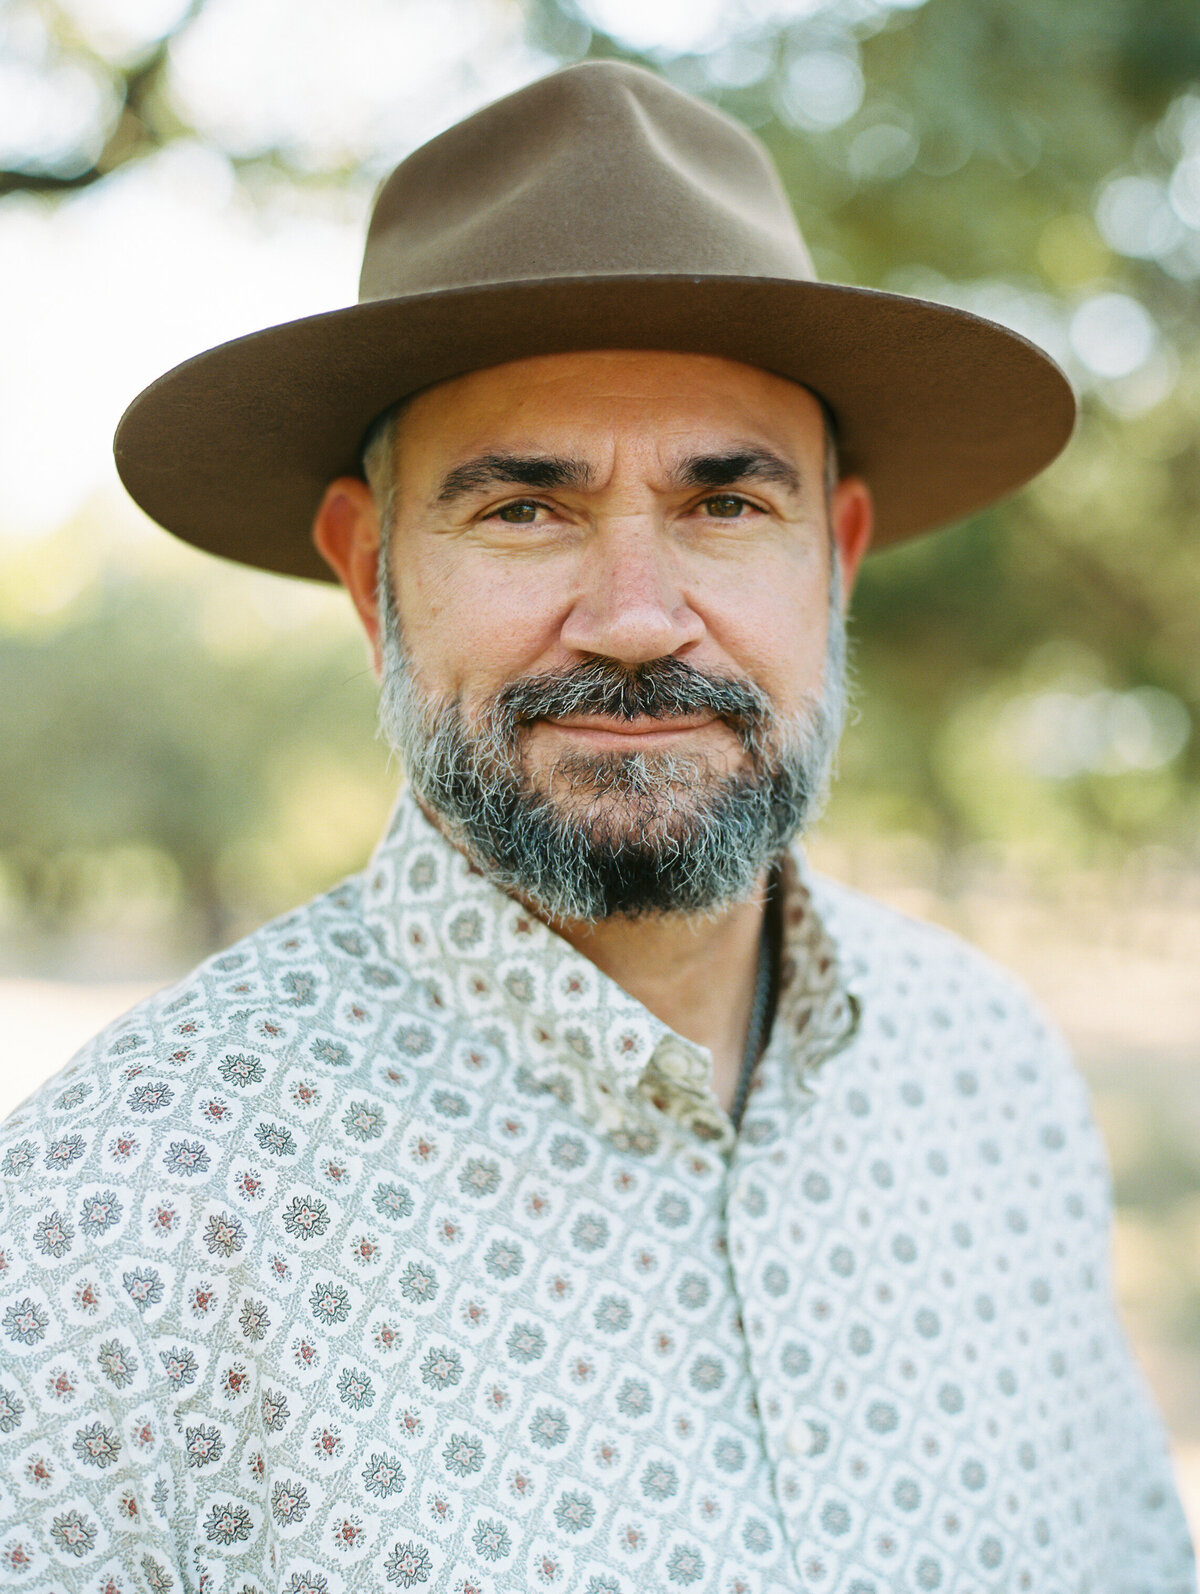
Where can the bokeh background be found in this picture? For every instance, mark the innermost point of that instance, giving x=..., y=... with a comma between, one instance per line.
x=188, y=748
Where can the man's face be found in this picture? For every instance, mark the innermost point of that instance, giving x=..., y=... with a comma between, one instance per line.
x=611, y=574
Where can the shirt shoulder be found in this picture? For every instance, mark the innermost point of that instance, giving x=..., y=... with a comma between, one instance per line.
x=967, y=1027
x=270, y=1020
x=886, y=951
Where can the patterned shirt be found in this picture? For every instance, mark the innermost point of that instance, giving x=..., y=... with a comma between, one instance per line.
x=399, y=1248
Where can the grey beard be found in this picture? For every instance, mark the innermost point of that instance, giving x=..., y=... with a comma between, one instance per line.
x=620, y=834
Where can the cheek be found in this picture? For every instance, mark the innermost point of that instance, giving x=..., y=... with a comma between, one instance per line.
x=793, y=662
x=776, y=631
x=470, y=625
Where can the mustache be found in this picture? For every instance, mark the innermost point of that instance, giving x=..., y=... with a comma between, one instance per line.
x=662, y=689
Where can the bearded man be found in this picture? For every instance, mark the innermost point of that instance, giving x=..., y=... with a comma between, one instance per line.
x=583, y=1197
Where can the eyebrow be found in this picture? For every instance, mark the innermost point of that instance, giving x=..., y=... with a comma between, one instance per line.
x=539, y=471
x=739, y=465
x=544, y=472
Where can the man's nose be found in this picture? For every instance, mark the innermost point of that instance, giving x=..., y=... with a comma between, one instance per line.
x=631, y=602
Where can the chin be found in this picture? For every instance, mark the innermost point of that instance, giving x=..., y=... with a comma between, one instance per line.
x=630, y=800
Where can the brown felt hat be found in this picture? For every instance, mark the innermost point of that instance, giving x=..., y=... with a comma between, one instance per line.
x=599, y=208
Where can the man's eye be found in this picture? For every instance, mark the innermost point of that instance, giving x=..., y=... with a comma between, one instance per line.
x=522, y=513
x=725, y=506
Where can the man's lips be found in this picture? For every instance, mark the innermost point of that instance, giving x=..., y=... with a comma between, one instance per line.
x=616, y=732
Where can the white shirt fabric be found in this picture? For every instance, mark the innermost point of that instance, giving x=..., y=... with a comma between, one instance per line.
x=398, y=1247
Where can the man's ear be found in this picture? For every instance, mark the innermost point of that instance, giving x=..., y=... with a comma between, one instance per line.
x=346, y=532
x=852, y=520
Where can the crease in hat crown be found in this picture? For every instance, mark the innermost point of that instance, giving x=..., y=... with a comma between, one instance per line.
x=597, y=208
x=503, y=196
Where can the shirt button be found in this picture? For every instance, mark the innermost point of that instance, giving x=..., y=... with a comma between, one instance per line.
x=667, y=1062
x=675, y=1063
x=799, y=1437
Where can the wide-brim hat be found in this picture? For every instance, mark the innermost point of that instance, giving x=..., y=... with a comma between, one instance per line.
x=598, y=208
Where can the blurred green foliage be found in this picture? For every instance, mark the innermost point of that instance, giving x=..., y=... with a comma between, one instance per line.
x=203, y=744
x=1030, y=680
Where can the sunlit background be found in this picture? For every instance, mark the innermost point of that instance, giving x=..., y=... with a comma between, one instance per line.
x=189, y=748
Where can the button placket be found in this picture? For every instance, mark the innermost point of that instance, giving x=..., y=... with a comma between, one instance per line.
x=751, y=1219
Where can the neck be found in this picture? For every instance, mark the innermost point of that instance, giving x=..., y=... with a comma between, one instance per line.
x=696, y=973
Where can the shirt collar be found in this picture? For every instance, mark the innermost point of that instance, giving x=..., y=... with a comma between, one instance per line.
x=571, y=1029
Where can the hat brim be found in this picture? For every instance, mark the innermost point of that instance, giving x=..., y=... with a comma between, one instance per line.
x=941, y=411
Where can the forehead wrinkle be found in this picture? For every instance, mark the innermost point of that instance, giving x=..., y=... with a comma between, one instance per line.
x=540, y=471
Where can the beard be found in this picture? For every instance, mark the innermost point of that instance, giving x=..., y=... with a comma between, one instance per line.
x=603, y=835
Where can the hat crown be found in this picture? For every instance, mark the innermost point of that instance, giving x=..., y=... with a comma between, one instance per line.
x=598, y=170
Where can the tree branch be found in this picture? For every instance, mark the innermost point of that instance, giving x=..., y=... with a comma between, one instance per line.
x=136, y=132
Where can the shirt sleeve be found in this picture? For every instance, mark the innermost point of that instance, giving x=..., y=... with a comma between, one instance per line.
x=1110, y=1420
x=89, y=1389
x=1148, y=1534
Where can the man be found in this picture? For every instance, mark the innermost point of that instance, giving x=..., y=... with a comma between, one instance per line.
x=582, y=1198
